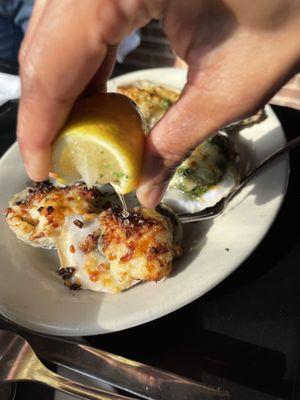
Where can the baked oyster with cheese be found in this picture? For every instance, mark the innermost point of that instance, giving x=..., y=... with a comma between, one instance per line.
x=36, y=215
x=101, y=247
x=116, y=249
x=204, y=178
x=153, y=99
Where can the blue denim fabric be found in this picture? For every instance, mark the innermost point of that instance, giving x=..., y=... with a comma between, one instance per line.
x=14, y=17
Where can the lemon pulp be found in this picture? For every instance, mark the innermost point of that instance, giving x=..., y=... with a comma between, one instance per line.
x=101, y=142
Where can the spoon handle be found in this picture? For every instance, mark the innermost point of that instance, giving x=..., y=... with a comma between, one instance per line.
x=77, y=389
x=292, y=144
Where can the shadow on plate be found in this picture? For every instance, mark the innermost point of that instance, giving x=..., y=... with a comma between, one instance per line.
x=194, y=239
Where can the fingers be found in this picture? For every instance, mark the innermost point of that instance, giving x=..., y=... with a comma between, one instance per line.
x=37, y=149
x=67, y=44
x=56, y=68
x=98, y=82
x=37, y=12
x=226, y=82
x=206, y=105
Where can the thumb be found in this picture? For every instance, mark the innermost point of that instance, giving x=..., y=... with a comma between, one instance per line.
x=186, y=124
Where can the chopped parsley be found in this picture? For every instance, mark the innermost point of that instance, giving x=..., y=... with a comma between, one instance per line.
x=185, y=171
x=166, y=103
x=120, y=175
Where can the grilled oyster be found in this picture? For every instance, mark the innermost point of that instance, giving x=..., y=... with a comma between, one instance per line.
x=204, y=178
x=153, y=99
x=116, y=249
x=36, y=215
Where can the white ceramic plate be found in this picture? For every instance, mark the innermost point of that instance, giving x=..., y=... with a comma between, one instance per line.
x=33, y=296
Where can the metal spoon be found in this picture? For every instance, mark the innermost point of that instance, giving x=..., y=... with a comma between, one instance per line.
x=218, y=208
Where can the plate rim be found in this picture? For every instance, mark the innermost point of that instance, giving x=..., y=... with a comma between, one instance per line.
x=45, y=328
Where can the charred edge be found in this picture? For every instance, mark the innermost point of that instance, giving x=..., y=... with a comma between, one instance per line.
x=74, y=286
x=49, y=210
x=20, y=202
x=66, y=273
x=42, y=187
x=160, y=249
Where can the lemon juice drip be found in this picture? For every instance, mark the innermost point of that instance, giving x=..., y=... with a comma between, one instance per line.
x=123, y=202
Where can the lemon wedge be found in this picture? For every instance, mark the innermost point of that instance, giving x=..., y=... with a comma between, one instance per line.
x=101, y=142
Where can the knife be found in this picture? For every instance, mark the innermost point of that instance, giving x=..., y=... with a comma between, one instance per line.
x=131, y=376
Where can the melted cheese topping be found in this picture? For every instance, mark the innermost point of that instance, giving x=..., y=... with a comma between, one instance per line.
x=116, y=250
x=37, y=214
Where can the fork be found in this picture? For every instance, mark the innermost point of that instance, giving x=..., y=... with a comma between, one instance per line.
x=18, y=362
x=219, y=208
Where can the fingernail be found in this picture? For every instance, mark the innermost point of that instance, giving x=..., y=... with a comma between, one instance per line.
x=151, y=196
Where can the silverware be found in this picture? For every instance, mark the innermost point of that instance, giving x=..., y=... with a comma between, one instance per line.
x=219, y=208
x=133, y=377
x=18, y=362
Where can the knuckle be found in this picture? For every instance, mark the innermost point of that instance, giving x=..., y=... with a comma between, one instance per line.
x=167, y=157
x=172, y=158
x=109, y=25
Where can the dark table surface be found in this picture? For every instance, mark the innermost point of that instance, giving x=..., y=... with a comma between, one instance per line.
x=244, y=334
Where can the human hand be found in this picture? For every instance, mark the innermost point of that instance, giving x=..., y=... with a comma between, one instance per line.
x=238, y=55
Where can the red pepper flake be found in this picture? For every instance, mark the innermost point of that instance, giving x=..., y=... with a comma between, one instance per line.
x=89, y=243
x=72, y=249
x=40, y=209
x=39, y=235
x=128, y=256
x=94, y=276
x=102, y=267
x=155, y=251
x=160, y=249
x=78, y=223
